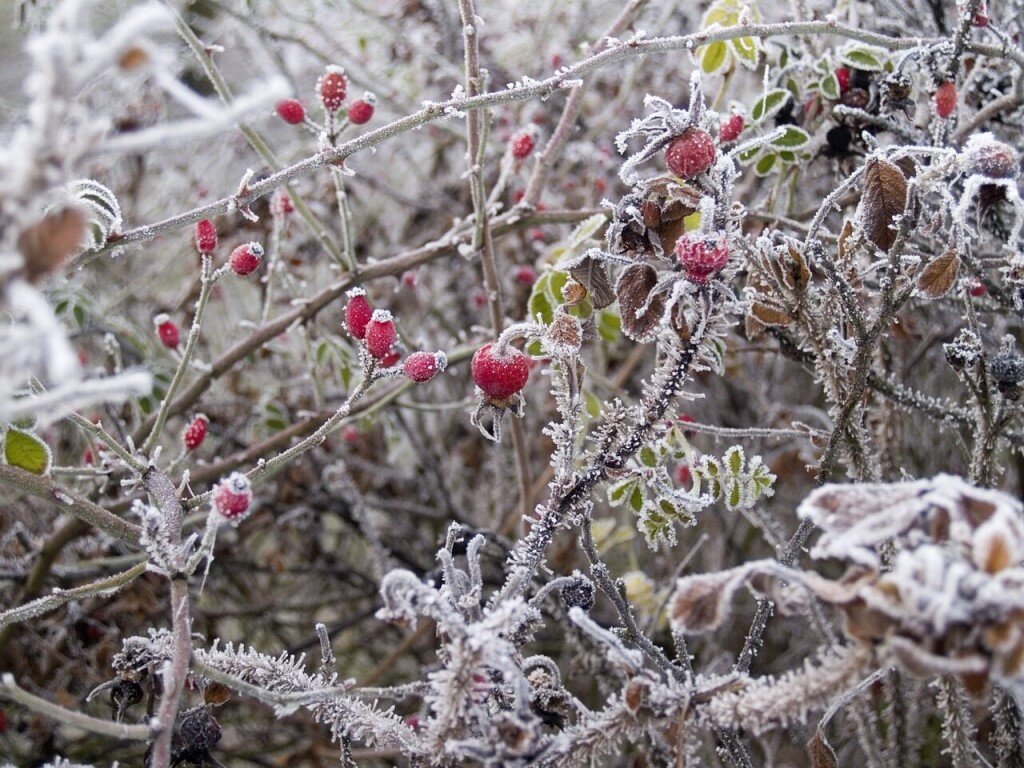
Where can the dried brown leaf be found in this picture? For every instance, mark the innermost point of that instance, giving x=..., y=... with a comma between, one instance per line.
x=939, y=275
x=821, y=752
x=593, y=276
x=798, y=273
x=769, y=315
x=844, y=238
x=641, y=313
x=51, y=240
x=885, y=196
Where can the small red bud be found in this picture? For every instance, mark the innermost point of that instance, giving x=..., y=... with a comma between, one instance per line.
x=168, y=331
x=361, y=110
x=945, y=100
x=206, y=236
x=291, y=111
x=357, y=312
x=331, y=87
x=380, y=334
x=423, y=366
x=195, y=433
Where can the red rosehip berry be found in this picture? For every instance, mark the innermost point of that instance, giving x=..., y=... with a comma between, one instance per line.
x=331, y=88
x=361, y=110
x=245, y=259
x=350, y=434
x=281, y=204
x=731, y=128
x=291, y=111
x=423, y=366
x=522, y=143
x=843, y=75
x=167, y=330
x=524, y=274
x=357, y=313
x=945, y=99
x=380, y=334
x=691, y=153
x=701, y=259
x=479, y=299
x=683, y=473
x=195, y=433
x=206, y=236
x=984, y=156
x=391, y=358
x=87, y=457
x=499, y=376
x=977, y=288
x=232, y=498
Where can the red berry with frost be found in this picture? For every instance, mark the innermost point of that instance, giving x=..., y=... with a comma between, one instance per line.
x=701, y=259
x=206, y=236
x=195, y=433
x=525, y=275
x=843, y=78
x=291, y=111
x=423, y=366
x=361, y=110
x=281, y=204
x=350, y=434
x=683, y=473
x=232, y=498
x=522, y=143
x=168, y=331
x=245, y=259
x=410, y=278
x=357, y=312
x=985, y=156
x=391, y=358
x=479, y=299
x=331, y=87
x=731, y=128
x=977, y=288
x=500, y=376
x=691, y=153
x=380, y=334
x=945, y=100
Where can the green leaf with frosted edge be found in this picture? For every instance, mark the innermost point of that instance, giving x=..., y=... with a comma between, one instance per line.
x=734, y=460
x=712, y=57
x=830, y=86
x=765, y=164
x=647, y=457
x=621, y=491
x=793, y=137
x=636, y=500
x=747, y=156
x=26, y=451
x=735, y=494
x=585, y=230
x=864, y=57
x=539, y=305
x=772, y=102
x=747, y=50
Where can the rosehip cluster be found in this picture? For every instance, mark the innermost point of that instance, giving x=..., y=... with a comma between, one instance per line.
x=375, y=328
x=331, y=90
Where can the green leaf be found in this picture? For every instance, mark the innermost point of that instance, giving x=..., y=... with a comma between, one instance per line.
x=765, y=164
x=647, y=457
x=585, y=230
x=793, y=137
x=539, y=305
x=735, y=495
x=747, y=156
x=772, y=102
x=591, y=405
x=747, y=50
x=609, y=325
x=26, y=451
x=636, y=500
x=712, y=56
x=734, y=460
x=621, y=491
x=864, y=57
x=830, y=86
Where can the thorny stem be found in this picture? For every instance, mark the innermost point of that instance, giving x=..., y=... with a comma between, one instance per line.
x=256, y=141
x=543, y=88
x=208, y=279
x=482, y=239
x=175, y=671
x=58, y=598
